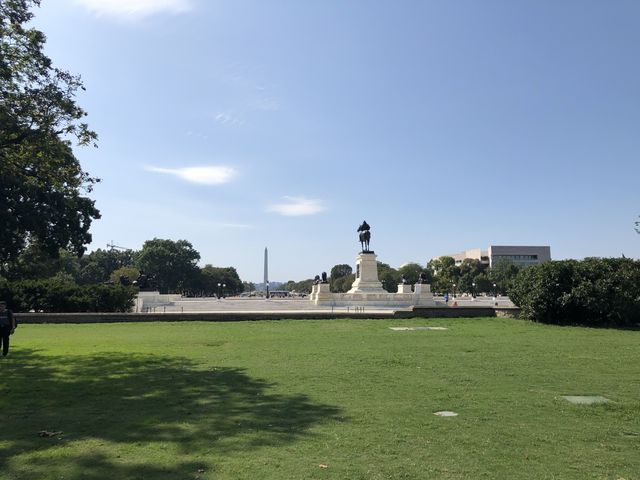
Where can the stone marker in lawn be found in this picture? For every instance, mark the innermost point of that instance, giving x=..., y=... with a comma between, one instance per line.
x=411, y=329
x=585, y=399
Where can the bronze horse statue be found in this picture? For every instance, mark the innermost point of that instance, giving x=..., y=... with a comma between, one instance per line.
x=365, y=235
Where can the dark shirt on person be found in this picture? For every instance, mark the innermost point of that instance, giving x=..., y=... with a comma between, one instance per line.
x=6, y=319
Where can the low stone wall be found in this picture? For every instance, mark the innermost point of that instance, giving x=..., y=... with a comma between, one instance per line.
x=28, y=318
x=417, y=312
x=448, y=312
x=460, y=312
x=507, y=312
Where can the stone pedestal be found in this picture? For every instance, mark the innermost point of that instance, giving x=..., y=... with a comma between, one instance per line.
x=404, y=288
x=323, y=294
x=366, y=275
x=320, y=293
x=148, y=300
x=423, y=295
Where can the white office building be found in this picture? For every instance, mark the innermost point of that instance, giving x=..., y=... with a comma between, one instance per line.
x=523, y=256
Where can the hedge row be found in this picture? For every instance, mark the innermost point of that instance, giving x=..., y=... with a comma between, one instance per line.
x=55, y=295
x=593, y=292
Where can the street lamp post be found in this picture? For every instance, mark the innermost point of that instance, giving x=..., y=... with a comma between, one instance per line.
x=219, y=285
x=495, y=292
x=454, y=290
x=473, y=291
x=267, y=290
x=224, y=285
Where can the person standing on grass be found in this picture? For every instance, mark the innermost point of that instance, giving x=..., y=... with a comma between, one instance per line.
x=7, y=327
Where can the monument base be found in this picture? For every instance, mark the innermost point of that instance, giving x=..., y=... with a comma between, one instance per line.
x=367, y=275
x=367, y=291
x=320, y=293
x=422, y=296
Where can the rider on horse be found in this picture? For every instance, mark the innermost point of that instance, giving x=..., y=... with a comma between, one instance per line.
x=365, y=235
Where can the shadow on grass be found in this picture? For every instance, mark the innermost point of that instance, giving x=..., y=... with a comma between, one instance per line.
x=143, y=407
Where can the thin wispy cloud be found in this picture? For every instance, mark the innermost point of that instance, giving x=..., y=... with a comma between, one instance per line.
x=208, y=175
x=245, y=94
x=131, y=9
x=228, y=118
x=236, y=118
x=200, y=135
x=297, y=206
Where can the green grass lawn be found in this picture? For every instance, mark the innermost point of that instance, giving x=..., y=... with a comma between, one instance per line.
x=278, y=399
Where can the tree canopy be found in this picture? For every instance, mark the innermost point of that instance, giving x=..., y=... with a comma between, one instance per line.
x=389, y=277
x=209, y=278
x=445, y=273
x=502, y=274
x=303, y=286
x=411, y=272
x=473, y=271
x=173, y=263
x=341, y=278
x=341, y=270
x=42, y=184
x=99, y=265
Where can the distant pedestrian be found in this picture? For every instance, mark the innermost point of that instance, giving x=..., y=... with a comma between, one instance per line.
x=7, y=327
x=446, y=298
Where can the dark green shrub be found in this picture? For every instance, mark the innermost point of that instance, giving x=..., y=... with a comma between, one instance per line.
x=594, y=291
x=59, y=295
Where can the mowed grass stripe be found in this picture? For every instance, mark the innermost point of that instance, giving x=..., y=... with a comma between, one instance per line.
x=277, y=399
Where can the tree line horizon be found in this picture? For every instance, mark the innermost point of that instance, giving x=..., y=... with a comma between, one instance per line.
x=174, y=267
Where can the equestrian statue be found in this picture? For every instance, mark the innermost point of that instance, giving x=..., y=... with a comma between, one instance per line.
x=365, y=236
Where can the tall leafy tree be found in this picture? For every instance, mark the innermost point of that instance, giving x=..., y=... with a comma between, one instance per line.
x=473, y=271
x=210, y=276
x=389, y=277
x=340, y=278
x=445, y=273
x=98, y=266
x=503, y=273
x=411, y=272
x=173, y=263
x=342, y=284
x=42, y=185
x=35, y=264
x=341, y=270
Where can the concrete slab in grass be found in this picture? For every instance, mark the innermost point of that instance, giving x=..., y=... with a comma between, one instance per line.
x=411, y=329
x=445, y=413
x=585, y=399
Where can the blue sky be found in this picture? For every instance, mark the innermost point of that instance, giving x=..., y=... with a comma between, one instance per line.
x=447, y=125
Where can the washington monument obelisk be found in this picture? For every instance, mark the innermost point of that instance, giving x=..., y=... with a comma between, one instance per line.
x=266, y=270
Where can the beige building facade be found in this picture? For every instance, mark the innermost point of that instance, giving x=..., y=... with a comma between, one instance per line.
x=523, y=256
